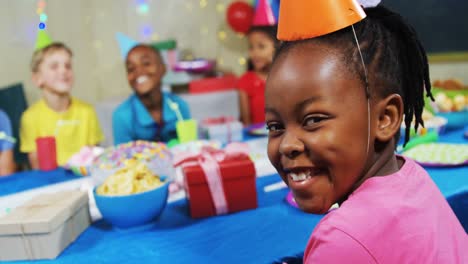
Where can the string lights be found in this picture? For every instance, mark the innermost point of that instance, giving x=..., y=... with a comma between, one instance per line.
x=41, y=4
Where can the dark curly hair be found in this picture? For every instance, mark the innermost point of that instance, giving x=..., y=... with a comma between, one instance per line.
x=393, y=55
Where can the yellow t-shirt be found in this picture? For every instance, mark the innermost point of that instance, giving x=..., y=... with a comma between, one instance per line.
x=78, y=126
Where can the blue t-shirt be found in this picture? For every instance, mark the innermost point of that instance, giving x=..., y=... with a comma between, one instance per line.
x=132, y=121
x=5, y=127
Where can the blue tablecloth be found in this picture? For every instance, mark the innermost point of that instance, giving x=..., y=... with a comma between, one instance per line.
x=264, y=235
x=23, y=181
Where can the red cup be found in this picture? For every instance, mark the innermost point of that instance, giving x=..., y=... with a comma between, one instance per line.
x=46, y=153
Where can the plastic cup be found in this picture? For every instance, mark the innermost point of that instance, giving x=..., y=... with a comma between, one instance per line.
x=187, y=130
x=46, y=153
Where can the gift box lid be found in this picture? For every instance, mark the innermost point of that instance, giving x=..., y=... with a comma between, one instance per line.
x=230, y=169
x=43, y=214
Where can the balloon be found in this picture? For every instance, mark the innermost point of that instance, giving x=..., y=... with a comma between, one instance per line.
x=239, y=16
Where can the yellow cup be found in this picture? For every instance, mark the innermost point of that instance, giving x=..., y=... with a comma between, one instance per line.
x=187, y=130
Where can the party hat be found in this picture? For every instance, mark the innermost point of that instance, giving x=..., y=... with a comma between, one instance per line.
x=42, y=40
x=263, y=14
x=169, y=44
x=125, y=44
x=303, y=19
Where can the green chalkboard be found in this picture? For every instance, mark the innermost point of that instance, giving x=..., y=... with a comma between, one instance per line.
x=442, y=25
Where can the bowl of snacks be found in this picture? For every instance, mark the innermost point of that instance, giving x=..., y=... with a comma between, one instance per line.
x=155, y=155
x=450, y=102
x=133, y=196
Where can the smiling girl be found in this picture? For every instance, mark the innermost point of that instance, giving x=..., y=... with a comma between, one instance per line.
x=334, y=105
x=262, y=47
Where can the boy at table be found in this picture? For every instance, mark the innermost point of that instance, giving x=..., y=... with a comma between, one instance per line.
x=148, y=114
x=7, y=142
x=72, y=122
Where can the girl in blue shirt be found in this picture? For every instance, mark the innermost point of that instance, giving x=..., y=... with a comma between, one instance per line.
x=7, y=162
x=148, y=114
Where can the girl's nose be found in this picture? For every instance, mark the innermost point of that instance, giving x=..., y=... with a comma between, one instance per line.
x=291, y=146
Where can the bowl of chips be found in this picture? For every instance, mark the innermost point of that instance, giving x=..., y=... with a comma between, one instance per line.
x=155, y=155
x=133, y=196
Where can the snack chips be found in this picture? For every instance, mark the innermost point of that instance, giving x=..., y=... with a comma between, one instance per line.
x=134, y=177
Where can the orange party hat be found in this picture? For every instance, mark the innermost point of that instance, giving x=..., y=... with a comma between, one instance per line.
x=303, y=19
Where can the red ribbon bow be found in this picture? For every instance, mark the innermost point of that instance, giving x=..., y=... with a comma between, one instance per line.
x=209, y=159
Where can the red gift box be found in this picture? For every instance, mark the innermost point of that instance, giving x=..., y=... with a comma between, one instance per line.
x=237, y=175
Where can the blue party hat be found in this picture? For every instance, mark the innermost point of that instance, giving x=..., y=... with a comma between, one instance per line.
x=125, y=44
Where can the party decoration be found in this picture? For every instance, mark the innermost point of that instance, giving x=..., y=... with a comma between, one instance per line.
x=42, y=40
x=274, y=4
x=263, y=14
x=369, y=3
x=203, y=3
x=303, y=19
x=125, y=44
x=143, y=8
x=195, y=66
x=239, y=16
x=42, y=16
x=165, y=45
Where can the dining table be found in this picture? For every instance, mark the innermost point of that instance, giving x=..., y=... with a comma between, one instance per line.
x=267, y=234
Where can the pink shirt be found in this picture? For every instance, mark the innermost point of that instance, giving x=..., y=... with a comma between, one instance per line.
x=399, y=218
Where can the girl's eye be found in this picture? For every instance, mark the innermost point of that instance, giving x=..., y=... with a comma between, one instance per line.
x=274, y=127
x=312, y=120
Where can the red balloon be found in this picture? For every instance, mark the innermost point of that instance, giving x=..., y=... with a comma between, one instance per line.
x=239, y=16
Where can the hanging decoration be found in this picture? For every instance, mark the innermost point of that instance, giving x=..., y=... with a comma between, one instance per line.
x=41, y=4
x=239, y=16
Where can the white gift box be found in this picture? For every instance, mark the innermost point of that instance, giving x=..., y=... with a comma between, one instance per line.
x=224, y=130
x=44, y=226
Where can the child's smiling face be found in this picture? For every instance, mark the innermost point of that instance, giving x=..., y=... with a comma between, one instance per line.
x=316, y=111
x=144, y=69
x=55, y=72
x=261, y=50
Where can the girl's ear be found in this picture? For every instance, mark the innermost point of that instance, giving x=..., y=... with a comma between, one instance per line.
x=37, y=80
x=390, y=115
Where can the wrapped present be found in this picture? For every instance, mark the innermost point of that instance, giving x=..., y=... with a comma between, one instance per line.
x=219, y=181
x=44, y=226
x=223, y=129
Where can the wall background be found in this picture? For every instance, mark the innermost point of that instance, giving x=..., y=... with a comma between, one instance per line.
x=89, y=27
